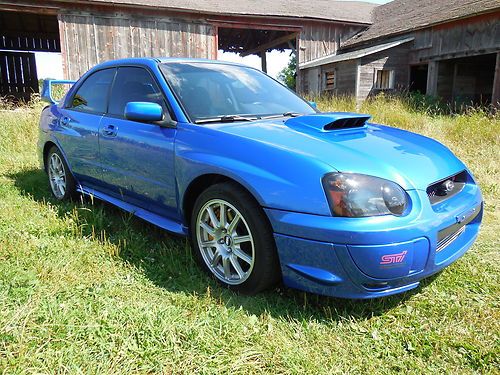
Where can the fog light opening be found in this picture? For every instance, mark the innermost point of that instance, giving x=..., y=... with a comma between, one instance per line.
x=376, y=286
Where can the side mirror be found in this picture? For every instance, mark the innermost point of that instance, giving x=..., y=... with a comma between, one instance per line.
x=313, y=104
x=143, y=111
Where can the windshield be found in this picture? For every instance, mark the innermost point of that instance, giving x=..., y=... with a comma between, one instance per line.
x=208, y=90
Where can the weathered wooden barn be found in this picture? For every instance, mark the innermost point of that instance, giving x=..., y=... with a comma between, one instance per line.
x=89, y=32
x=445, y=48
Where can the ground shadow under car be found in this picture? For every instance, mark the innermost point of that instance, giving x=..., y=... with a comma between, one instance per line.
x=166, y=260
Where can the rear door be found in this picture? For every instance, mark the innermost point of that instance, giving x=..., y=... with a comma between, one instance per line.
x=78, y=128
x=138, y=157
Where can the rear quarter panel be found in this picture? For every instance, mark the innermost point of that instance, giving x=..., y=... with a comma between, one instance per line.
x=49, y=118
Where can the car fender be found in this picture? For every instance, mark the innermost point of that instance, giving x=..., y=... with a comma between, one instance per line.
x=277, y=178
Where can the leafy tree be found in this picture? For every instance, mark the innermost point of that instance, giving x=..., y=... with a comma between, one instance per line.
x=289, y=73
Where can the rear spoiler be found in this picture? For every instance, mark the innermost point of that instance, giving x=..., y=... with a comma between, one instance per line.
x=47, y=89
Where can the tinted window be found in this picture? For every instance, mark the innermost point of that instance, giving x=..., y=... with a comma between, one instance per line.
x=210, y=90
x=92, y=95
x=133, y=85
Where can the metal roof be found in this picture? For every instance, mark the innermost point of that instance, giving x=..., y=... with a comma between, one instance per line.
x=354, y=54
x=400, y=16
x=328, y=10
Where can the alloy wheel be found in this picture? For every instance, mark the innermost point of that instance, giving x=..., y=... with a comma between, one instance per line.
x=225, y=241
x=57, y=176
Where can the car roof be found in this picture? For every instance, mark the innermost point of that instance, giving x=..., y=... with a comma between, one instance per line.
x=148, y=61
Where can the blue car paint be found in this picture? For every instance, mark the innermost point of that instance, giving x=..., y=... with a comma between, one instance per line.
x=139, y=163
x=280, y=162
x=143, y=111
x=47, y=88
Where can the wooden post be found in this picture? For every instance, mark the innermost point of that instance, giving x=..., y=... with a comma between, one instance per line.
x=432, y=78
x=299, y=75
x=454, y=93
x=264, y=61
x=62, y=39
x=495, y=98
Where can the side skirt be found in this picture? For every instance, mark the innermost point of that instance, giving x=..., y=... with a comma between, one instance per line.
x=160, y=221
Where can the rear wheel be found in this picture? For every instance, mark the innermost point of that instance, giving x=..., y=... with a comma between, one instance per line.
x=232, y=240
x=62, y=183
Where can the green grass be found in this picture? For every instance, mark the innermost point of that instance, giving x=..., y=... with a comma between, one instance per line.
x=86, y=288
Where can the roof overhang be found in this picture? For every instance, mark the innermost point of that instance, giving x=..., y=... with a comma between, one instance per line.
x=334, y=58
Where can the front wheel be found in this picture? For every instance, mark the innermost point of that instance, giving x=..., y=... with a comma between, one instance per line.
x=62, y=183
x=232, y=240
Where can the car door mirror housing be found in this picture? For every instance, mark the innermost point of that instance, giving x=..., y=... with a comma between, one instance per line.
x=143, y=112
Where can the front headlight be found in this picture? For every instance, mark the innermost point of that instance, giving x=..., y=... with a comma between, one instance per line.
x=357, y=195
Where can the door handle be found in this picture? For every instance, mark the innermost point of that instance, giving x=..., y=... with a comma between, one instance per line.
x=109, y=131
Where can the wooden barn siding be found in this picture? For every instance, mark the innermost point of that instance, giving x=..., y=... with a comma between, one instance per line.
x=311, y=81
x=318, y=40
x=345, y=73
x=345, y=77
x=88, y=39
x=395, y=59
x=468, y=37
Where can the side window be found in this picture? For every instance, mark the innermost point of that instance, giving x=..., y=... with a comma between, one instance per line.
x=92, y=95
x=133, y=85
x=384, y=79
x=330, y=81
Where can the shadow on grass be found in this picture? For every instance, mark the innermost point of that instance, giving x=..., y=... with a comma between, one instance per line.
x=167, y=262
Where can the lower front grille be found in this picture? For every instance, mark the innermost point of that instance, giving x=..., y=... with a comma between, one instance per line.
x=449, y=234
x=449, y=239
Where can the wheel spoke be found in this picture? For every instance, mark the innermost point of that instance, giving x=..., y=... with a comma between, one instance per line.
x=240, y=239
x=62, y=188
x=210, y=243
x=227, y=268
x=242, y=255
x=222, y=214
x=216, y=259
x=213, y=217
x=207, y=228
x=57, y=162
x=234, y=223
x=236, y=266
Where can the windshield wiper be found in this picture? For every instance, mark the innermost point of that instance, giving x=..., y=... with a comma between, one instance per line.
x=225, y=118
x=286, y=114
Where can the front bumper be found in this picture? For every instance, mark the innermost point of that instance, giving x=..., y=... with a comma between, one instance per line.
x=376, y=256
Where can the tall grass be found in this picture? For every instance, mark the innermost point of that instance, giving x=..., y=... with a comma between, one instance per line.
x=86, y=288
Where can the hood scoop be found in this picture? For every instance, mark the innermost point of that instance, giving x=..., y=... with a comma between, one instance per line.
x=330, y=121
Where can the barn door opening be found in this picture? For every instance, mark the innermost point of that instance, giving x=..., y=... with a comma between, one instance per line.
x=22, y=36
x=418, y=78
x=18, y=77
x=263, y=41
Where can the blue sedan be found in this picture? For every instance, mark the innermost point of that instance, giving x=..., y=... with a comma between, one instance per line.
x=266, y=187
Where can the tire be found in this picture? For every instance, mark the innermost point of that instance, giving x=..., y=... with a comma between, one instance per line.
x=61, y=181
x=239, y=250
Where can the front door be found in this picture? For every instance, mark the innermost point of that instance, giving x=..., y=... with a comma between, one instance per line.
x=78, y=127
x=138, y=158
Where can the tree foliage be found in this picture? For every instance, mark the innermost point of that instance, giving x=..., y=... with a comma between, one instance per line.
x=289, y=73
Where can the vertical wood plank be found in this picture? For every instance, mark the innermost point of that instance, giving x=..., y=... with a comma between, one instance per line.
x=33, y=72
x=432, y=78
x=495, y=98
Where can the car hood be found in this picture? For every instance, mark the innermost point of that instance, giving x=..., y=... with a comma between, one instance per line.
x=411, y=160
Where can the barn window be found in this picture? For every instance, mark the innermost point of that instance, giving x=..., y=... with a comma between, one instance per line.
x=384, y=79
x=330, y=80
